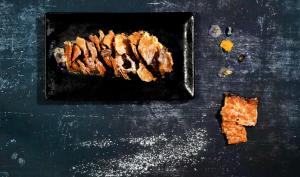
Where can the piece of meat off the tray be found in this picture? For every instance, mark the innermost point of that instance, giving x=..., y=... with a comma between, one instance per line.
x=139, y=55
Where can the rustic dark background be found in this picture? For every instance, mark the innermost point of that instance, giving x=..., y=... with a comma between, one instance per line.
x=45, y=139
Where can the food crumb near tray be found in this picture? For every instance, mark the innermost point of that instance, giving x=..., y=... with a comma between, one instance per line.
x=226, y=45
x=215, y=31
x=236, y=113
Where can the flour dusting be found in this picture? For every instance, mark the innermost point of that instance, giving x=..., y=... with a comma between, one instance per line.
x=162, y=157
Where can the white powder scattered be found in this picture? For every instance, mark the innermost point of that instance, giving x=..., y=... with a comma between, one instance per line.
x=163, y=157
x=146, y=141
x=100, y=144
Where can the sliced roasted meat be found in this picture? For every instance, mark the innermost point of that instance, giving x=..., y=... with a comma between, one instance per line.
x=68, y=53
x=92, y=49
x=101, y=36
x=83, y=68
x=145, y=74
x=76, y=52
x=108, y=39
x=134, y=39
x=147, y=47
x=121, y=44
x=106, y=54
x=165, y=60
x=101, y=69
x=96, y=41
x=82, y=44
x=75, y=67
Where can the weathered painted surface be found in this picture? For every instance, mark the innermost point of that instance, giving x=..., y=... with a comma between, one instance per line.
x=155, y=138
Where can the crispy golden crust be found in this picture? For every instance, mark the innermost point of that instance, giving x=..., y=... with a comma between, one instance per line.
x=108, y=39
x=76, y=52
x=145, y=74
x=121, y=44
x=101, y=69
x=68, y=53
x=92, y=49
x=106, y=54
x=148, y=46
x=240, y=110
x=96, y=41
x=134, y=39
x=165, y=61
x=234, y=132
x=82, y=44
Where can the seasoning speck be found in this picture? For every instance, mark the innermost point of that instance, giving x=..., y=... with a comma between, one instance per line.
x=215, y=31
x=241, y=57
x=228, y=31
x=226, y=45
x=225, y=72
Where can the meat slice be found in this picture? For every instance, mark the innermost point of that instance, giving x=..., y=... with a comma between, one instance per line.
x=108, y=39
x=134, y=39
x=89, y=63
x=148, y=46
x=68, y=53
x=165, y=61
x=96, y=41
x=101, y=36
x=118, y=70
x=234, y=132
x=83, y=68
x=75, y=67
x=76, y=52
x=92, y=49
x=121, y=44
x=106, y=54
x=82, y=44
x=145, y=74
x=101, y=69
x=240, y=110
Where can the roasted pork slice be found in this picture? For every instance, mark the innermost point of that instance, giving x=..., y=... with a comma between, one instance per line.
x=121, y=44
x=90, y=63
x=240, y=110
x=165, y=60
x=75, y=67
x=147, y=47
x=82, y=44
x=83, y=68
x=68, y=53
x=108, y=39
x=134, y=39
x=119, y=71
x=96, y=41
x=101, y=69
x=92, y=49
x=234, y=132
x=76, y=52
x=106, y=54
x=101, y=36
x=144, y=74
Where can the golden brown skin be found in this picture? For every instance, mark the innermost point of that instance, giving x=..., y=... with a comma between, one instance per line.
x=101, y=69
x=145, y=74
x=108, y=39
x=106, y=54
x=82, y=44
x=68, y=53
x=148, y=46
x=121, y=44
x=101, y=36
x=234, y=132
x=134, y=39
x=240, y=110
x=83, y=68
x=75, y=67
x=92, y=49
x=96, y=41
x=76, y=52
x=165, y=61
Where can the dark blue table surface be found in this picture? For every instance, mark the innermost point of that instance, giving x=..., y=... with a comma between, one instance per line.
x=155, y=138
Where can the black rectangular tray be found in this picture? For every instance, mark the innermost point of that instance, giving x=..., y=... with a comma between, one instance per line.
x=175, y=30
